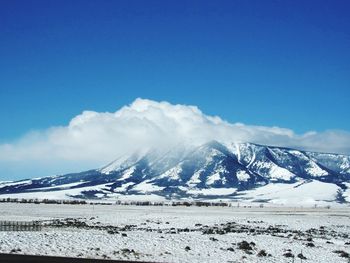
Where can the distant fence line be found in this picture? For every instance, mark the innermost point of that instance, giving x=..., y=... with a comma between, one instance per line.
x=20, y=226
x=118, y=202
x=219, y=203
x=42, y=201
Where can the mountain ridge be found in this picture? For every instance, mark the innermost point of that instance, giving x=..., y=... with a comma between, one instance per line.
x=213, y=170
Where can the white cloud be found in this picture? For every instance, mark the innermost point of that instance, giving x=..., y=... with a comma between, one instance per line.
x=92, y=138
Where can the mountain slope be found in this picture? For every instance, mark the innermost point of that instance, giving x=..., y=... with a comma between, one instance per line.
x=240, y=171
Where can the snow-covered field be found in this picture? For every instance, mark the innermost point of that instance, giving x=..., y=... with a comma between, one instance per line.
x=181, y=234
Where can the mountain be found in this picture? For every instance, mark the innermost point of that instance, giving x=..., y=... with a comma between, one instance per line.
x=237, y=171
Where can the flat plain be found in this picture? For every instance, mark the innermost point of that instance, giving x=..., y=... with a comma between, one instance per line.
x=180, y=233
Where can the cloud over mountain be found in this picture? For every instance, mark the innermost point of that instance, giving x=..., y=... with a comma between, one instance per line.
x=94, y=138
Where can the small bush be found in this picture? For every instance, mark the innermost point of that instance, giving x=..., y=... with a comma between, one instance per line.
x=288, y=255
x=301, y=256
x=262, y=253
x=342, y=253
x=244, y=245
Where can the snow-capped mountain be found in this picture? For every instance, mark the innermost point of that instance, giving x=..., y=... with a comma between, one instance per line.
x=241, y=171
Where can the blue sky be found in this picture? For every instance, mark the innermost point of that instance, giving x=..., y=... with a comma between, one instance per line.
x=258, y=62
x=272, y=63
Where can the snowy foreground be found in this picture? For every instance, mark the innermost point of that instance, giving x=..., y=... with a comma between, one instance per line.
x=181, y=234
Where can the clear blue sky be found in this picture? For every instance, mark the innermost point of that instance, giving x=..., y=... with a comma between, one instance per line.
x=284, y=63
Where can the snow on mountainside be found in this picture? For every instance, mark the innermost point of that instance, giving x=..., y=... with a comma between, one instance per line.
x=237, y=171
